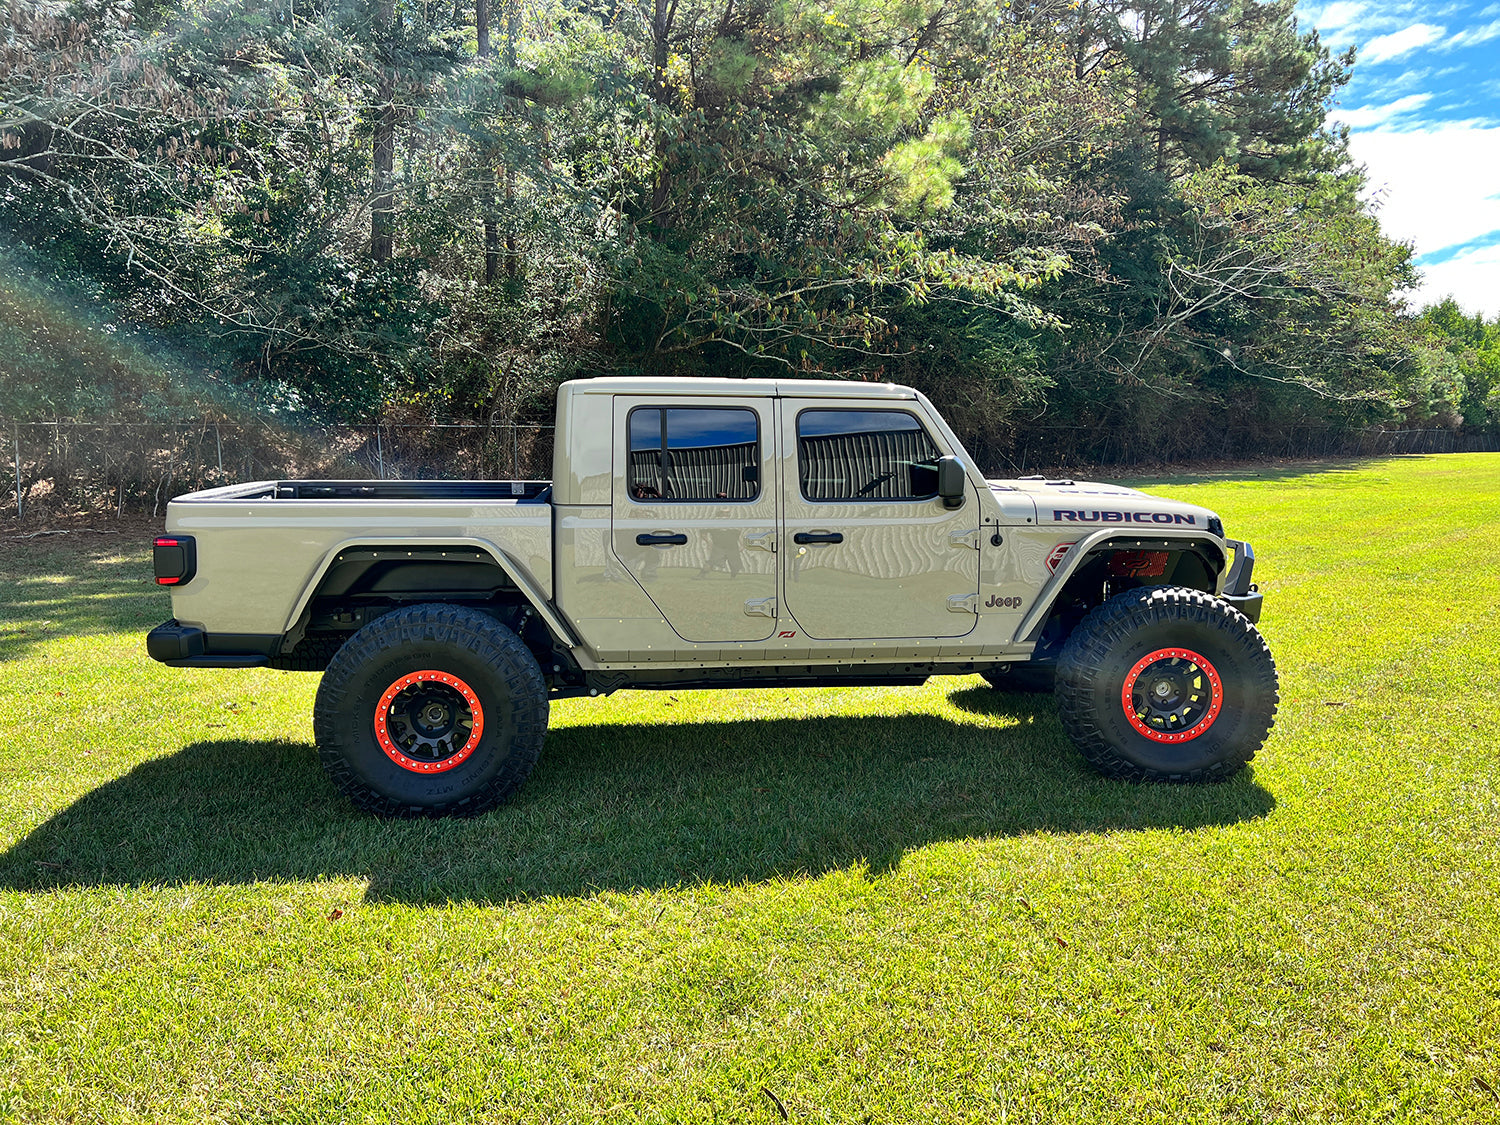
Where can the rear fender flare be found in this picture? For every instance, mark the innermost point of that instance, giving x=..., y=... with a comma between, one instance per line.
x=513, y=570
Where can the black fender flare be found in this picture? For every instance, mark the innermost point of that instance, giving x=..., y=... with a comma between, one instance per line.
x=517, y=574
x=1212, y=550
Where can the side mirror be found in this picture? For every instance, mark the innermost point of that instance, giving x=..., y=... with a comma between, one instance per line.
x=951, y=481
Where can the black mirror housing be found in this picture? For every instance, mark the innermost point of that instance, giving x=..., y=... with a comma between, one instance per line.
x=951, y=481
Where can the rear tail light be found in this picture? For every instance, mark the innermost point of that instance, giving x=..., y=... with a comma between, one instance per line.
x=175, y=559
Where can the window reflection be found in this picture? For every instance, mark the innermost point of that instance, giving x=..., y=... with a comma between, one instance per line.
x=865, y=455
x=694, y=453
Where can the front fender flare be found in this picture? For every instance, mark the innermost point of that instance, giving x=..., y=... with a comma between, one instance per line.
x=1210, y=549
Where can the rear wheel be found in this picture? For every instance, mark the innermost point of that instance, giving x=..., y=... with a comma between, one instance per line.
x=430, y=711
x=1166, y=684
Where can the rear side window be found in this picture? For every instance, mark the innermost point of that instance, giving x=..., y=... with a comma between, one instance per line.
x=694, y=453
x=865, y=455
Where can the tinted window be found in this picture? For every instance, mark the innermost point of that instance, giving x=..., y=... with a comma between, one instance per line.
x=865, y=455
x=691, y=453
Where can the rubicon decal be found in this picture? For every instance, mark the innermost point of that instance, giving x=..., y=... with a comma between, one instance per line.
x=1070, y=515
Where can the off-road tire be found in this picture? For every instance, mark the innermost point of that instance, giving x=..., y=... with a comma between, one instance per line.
x=485, y=659
x=1025, y=677
x=1115, y=639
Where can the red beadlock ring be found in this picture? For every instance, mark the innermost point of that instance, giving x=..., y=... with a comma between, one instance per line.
x=382, y=717
x=1199, y=725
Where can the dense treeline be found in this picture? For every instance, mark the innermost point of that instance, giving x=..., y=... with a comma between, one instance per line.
x=1074, y=223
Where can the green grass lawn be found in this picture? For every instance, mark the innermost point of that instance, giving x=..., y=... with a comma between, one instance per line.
x=883, y=905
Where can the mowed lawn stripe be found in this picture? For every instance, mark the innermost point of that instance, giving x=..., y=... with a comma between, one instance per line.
x=876, y=904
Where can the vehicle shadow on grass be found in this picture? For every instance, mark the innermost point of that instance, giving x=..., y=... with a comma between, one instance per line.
x=615, y=807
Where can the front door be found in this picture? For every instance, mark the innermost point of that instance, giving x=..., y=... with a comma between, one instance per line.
x=694, y=513
x=869, y=548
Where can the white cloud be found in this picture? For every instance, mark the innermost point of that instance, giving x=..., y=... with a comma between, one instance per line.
x=1383, y=48
x=1368, y=116
x=1437, y=188
x=1472, y=36
x=1407, y=78
x=1341, y=13
x=1347, y=21
x=1471, y=277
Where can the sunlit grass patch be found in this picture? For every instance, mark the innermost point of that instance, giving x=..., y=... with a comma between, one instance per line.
x=852, y=903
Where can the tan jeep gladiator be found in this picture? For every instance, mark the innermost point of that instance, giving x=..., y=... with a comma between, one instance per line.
x=708, y=533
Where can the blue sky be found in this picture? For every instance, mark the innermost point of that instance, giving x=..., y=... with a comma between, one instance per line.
x=1424, y=107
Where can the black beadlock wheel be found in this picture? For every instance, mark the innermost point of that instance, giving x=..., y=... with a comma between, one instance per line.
x=433, y=710
x=1167, y=684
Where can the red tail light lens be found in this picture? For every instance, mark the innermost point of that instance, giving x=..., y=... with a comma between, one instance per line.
x=174, y=558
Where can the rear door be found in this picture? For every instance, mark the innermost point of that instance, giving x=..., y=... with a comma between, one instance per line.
x=694, y=512
x=869, y=550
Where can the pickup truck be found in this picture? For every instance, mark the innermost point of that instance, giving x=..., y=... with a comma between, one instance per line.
x=716, y=533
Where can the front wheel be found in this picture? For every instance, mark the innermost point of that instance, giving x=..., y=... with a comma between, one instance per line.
x=1166, y=684
x=429, y=711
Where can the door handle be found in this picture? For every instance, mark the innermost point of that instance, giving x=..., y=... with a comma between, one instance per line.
x=664, y=539
x=802, y=538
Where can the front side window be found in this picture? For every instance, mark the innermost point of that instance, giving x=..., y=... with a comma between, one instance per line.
x=693, y=453
x=865, y=455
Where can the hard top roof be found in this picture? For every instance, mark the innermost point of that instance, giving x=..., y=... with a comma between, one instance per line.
x=801, y=388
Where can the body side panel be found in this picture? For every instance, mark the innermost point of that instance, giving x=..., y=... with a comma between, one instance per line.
x=259, y=558
x=582, y=453
x=719, y=583
x=611, y=613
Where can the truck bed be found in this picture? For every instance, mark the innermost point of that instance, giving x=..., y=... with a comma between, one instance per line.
x=522, y=490
x=262, y=545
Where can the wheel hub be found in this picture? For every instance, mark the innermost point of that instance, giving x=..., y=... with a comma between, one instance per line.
x=1172, y=695
x=433, y=719
x=428, y=721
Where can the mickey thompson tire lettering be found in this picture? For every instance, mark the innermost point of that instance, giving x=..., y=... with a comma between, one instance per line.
x=472, y=649
x=1110, y=644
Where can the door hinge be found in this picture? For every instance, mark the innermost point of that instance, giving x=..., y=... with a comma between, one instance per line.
x=963, y=603
x=761, y=540
x=763, y=607
x=969, y=539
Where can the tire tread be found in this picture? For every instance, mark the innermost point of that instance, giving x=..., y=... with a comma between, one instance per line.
x=1091, y=652
x=488, y=640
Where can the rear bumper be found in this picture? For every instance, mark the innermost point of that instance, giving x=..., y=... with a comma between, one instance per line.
x=187, y=646
x=1239, y=591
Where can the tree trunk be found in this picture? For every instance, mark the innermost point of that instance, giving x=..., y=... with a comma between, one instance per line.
x=487, y=168
x=512, y=32
x=661, y=30
x=383, y=164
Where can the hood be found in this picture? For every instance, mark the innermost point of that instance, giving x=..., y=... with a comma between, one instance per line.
x=1079, y=504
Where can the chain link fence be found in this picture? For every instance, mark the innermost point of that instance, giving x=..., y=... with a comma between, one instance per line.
x=58, y=467
x=61, y=467
x=1036, y=450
